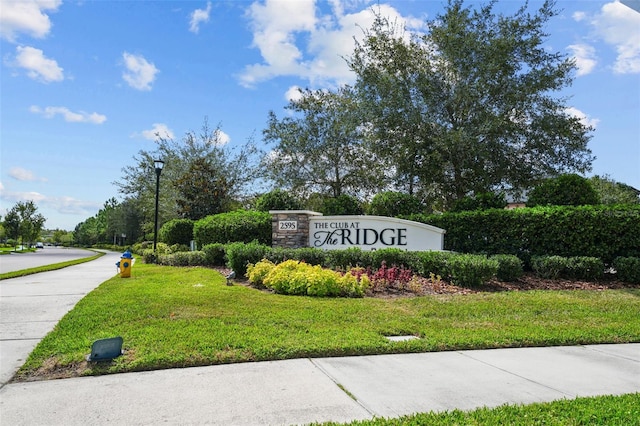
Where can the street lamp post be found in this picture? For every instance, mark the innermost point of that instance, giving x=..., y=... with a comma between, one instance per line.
x=158, y=165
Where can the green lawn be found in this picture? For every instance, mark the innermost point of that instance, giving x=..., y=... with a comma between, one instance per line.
x=603, y=410
x=177, y=317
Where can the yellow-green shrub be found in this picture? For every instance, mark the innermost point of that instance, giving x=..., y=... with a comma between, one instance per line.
x=299, y=278
x=257, y=273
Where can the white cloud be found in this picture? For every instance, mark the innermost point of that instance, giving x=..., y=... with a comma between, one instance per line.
x=37, y=65
x=293, y=94
x=63, y=204
x=158, y=130
x=579, y=16
x=139, y=72
x=26, y=16
x=199, y=16
x=620, y=27
x=585, y=57
x=70, y=205
x=68, y=115
x=584, y=118
x=18, y=173
x=222, y=138
x=294, y=39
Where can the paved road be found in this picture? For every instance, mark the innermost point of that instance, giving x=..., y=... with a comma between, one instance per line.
x=46, y=256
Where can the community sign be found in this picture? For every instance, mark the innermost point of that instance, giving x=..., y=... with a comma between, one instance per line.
x=373, y=232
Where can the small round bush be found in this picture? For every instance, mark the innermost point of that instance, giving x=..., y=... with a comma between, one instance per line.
x=239, y=255
x=176, y=231
x=628, y=269
x=277, y=200
x=214, y=254
x=509, y=267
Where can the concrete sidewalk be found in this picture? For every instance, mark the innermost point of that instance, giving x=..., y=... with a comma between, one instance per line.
x=32, y=305
x=301, y=391
x=296, y=391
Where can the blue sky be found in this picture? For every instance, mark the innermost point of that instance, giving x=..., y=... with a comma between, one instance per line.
x=85, y=85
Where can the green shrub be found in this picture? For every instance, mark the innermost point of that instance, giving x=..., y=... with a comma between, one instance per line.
x=481, y=201
x=312, y=256
x=471, y=270
x=256, y=273
x=605, y=232
x=392, y=256
x=342, y=205
x=148, y=256
x=564, y=190
x=238, y=226
x=394, y=204
x=584, y=268
x=239, y=255
x=628, y=269
x=214, y=254
x=576, y=267
x=183, y=258
x=510, y=267
x=345, y=259
x=176, y=231
x=175, y=248
x=298, y=278
x=550, y=267
x=431, y=262
x=277, y=200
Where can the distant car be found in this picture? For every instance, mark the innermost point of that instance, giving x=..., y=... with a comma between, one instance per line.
x=39, y=245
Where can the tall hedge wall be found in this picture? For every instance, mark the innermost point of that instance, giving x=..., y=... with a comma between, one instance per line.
x=605, y=232
x=239, y=226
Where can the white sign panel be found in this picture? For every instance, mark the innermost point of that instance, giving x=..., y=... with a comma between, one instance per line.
x=373, y=232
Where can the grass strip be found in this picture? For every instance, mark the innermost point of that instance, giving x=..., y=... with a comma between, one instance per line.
x=45, y=268
x=178, y=317
x=620, y=410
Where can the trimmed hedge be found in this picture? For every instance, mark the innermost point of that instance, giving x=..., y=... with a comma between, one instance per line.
x=577, y=267
x=239, y=255
x=214, y=254
x=469, y=270
x=238, y=226
x=628, y=269
x=605, y=232
x=510, y=267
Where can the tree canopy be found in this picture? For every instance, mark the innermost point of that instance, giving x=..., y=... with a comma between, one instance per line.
x=321, y=147
x=23, y=221
x=470, y=105
x=195, y=165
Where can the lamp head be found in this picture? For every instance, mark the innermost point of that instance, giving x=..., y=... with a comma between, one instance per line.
x=159, y=164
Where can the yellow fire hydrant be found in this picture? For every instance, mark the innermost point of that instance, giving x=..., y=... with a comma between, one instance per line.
x=126, y=260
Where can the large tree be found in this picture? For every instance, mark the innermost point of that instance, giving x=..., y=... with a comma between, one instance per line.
x=203, y=191
x=471, y=104
x=320, y=147
x=237, y=167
